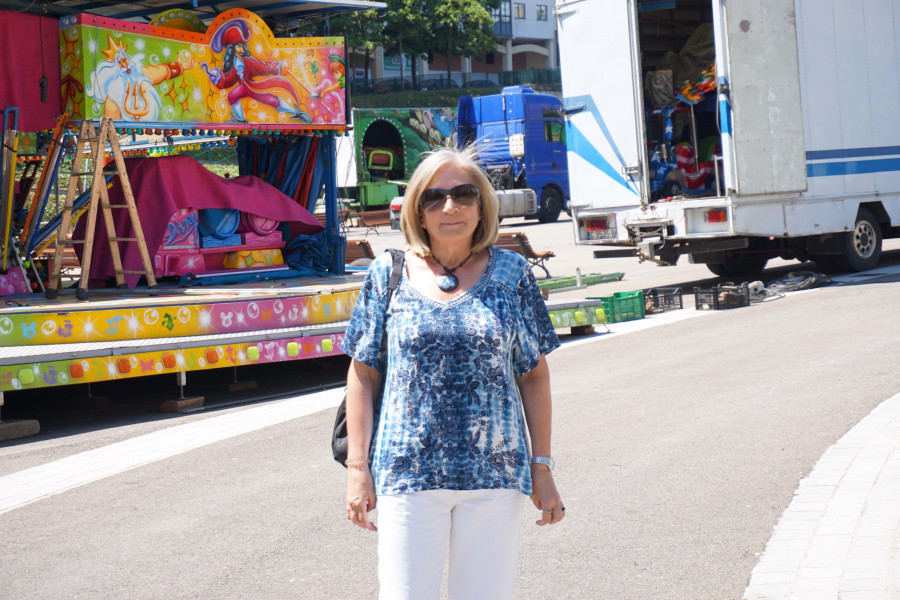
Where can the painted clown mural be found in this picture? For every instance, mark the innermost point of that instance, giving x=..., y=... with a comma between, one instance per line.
x=170, y=74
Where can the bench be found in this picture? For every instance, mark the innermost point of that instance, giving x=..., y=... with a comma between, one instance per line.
x=69, y=261
x=320, y=217
x=358, y=249
x=371, y=219
x=518, y=242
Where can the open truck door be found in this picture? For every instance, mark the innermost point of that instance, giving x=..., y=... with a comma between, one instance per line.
x=603, y=103
x=760, y=111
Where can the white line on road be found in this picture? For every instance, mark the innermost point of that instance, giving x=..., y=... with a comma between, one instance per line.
x=29, y=485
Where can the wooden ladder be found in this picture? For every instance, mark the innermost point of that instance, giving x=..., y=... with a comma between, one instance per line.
x=99, y=200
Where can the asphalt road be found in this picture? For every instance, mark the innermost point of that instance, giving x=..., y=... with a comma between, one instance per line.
x=678, y=447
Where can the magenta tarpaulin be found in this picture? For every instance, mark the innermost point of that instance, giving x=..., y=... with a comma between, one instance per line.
x=21, y=40
x=162, y=186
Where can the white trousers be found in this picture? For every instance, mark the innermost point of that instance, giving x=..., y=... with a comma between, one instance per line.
x=480, y=527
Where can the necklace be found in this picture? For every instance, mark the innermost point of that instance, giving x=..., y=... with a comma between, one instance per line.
x=448, y=281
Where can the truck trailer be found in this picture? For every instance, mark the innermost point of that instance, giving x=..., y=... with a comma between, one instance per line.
x=802, y=126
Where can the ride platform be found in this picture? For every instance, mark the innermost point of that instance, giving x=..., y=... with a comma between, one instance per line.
x=118, y=334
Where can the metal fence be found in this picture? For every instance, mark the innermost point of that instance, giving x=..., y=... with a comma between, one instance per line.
x=549, y=77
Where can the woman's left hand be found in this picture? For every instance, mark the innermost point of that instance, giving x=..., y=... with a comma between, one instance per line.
x=545, y=497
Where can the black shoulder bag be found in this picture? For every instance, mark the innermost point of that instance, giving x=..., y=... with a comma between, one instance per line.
x=339, y=436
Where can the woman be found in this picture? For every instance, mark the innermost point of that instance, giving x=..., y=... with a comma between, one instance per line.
x=467, y=332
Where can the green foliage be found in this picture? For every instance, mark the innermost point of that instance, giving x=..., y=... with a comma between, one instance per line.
x=363, y=30
x=449, y=27
x=448, y=97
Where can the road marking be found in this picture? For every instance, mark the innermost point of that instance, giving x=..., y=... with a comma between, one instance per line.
x=30, y=485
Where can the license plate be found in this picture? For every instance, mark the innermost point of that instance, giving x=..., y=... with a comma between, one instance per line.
x=602, y=234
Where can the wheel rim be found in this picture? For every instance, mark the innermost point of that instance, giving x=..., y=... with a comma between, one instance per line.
x=552, y=204
x=864, y=239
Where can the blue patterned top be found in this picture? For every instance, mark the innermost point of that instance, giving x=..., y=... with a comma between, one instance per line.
x=452, y=415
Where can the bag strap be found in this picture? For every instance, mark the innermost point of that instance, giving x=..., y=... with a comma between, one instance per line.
x=396, y=272
x=393, y=282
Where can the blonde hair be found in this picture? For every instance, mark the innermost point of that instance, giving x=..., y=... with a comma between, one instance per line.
x=464, y=160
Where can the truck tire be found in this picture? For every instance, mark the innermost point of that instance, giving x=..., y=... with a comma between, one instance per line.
x=551, y=205
x=739, y=266
x=861, y=248
x=718, y=269
x=746, y=266
x=825, y=262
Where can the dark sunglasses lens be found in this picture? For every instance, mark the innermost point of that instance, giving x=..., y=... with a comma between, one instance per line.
x=465, y=195
x=433, y=198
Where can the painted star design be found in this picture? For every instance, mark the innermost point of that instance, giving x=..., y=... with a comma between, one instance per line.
x=110, y=53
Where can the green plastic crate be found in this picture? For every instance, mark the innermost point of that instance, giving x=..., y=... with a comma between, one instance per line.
x=623, y=306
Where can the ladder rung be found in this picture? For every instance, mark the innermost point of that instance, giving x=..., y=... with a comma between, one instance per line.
x=71, y=241
x=132, y=272
x=104, y=205
x=118, y=239
x=83, y=173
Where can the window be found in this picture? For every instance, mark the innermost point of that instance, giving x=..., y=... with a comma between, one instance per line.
x=519, y=10
x=503, y=19
x=541, y=12
x=554, y=131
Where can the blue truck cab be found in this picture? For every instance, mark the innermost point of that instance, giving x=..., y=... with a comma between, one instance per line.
x=520, y=137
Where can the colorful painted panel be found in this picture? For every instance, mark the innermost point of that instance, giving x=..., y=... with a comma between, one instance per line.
x=174, y=321
x=576, y=317
x=233, y=76
x=110, y=368
x=14, y=282
x=181, y=232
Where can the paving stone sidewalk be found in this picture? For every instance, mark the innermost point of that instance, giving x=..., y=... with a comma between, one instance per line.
x=840, y=537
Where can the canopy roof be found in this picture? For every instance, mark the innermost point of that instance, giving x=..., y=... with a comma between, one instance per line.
x=283, y=13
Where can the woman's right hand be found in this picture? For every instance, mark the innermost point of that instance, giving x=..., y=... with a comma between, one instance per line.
x=360, y=497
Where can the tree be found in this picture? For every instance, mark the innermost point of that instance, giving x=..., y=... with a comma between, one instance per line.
x=464, y=28
x=364, y=31
x=449, y=27
x=409, y=28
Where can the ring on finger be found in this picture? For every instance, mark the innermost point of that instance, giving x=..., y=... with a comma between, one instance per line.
x=550, y=510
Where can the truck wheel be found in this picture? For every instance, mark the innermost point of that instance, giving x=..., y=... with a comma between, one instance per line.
x=717, y=269
x=551, y=205
x=825, y=262
x=742, y=266
x=745, y=266
x=861, y=247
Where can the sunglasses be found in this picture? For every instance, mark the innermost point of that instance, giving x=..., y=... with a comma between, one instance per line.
x=463, y=195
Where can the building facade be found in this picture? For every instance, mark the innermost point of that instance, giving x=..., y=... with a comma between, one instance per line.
x=526, y=39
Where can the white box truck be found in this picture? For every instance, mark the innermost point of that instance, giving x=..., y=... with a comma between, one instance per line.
x=805, y=125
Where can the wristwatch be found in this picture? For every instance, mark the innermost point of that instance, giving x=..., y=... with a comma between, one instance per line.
x=544, y=460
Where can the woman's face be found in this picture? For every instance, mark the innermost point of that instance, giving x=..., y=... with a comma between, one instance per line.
x=450, y=222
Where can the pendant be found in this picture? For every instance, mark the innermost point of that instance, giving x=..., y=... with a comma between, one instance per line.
x=447, y=282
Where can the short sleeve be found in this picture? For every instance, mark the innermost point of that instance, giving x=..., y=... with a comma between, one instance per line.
x=362, y=339
x=534, y=330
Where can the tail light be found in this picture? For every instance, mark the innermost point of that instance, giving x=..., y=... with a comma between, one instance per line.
x=716, y=216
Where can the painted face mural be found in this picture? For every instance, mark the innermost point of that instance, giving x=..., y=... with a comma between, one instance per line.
x=234, y=73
